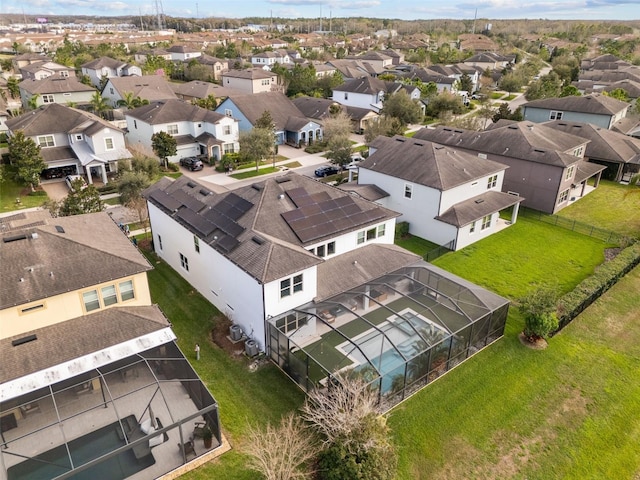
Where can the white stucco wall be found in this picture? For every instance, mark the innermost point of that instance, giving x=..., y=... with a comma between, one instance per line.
x=355, y=99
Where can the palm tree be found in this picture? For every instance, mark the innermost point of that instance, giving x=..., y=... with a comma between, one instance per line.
x=130, y=101
x=33, y=101
x=13, y=87
x=99, y=104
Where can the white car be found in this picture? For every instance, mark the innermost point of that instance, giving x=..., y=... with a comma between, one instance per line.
x=69, y=179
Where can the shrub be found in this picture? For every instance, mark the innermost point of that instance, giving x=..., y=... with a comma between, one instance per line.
x=38, y=193
x=538, y=308
x=591, y=288
x=316, y=147
x=173, y=167
x=402, y=229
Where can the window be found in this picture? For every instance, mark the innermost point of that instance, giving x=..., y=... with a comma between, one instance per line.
x=109, y=296
x=228, y=148
x=321, y=251
x=472, y=227
x=371, y=234
x=47, y=98
x=408, y=190
x=79, y=137
x=46, y=141
x=91, y=300
x=226, y=130
x=196, y=244
x=492, y=182
x=228, y=112
x=486, y=222
x=111, y=90
x=172, y=129
x=292, y=322
x=108, y=143
x=126, y=290
x=578, y=152
x=160, y=242
x=64, y=73
x=360, y=237
x=331, y=248
x=381, y=230
x=184, y=262
x=555, y=115
x=569, y=174
x=564, y=196
x=290, y=285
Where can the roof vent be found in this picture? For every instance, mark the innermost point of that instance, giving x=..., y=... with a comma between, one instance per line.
x=281, y=196
x=479, y=200
x=257, y=186
x=27, y=339
x=34, y=235
x=191, y=184
x=512, y=127
x=59, y=229
x=258, y=239
x=15, y=238
x=205, y=192
x=283, y=179
x=537, y=150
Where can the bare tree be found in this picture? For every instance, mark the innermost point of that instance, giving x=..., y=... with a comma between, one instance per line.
x=281, y=452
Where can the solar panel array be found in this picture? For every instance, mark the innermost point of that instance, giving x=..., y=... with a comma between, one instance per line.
x=165, y=201
x=319, y=215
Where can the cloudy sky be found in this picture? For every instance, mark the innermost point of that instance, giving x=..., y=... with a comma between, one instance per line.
x=402, y=9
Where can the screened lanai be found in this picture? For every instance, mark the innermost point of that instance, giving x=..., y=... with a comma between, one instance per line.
x=137, y=417
x=399, y=332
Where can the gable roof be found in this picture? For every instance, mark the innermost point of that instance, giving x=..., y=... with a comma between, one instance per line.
x=522, y=140
x=604, y=144
x=149, y=87
x=477, y=207
x=277, y=104
x=593, y=103
x=316, y=108
x=173, y=110
x=200, y=89
x=108, y=62
x=260, y=234
x=43, y=256
x=251, y=74
x=364, y=85
x=55, y=84
x=427, y=163
x=55, y=118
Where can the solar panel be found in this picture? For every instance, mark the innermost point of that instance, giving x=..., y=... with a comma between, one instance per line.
x=165, y=201
x=198, y=222
x=187, y=200
x=227, y=243
x=241, y=204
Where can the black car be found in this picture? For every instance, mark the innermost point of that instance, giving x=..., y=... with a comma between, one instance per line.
x=326, y=171
x=192, y=163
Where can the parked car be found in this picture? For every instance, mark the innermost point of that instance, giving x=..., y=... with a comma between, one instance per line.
x=326, y=170
x=478, y=96
x=71, y=179
x=192, y=163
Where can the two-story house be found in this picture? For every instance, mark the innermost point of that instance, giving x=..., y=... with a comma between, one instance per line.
x=546, y=166
x=106, y=67
x=253, y=80
x=147, y=87
x=291, y=125
x=447, y=196
x=55, y=89
x=40, y=70
x=369, y=92
x=73, y=139
x=266, y=60
x=181, y=53
x=322, y=108
x=598, y=109
x=91, y=377
x=198, y=131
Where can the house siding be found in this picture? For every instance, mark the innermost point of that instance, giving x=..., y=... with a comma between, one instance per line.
x=540, y=115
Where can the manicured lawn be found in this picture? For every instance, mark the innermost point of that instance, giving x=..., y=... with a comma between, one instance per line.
x=255, y=173
x=414, y=244
x=526, y=254
x=571, y=411
x=606, y=207
x=10, y=191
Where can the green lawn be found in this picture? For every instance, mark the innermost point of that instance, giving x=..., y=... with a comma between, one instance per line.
x=528, y=253
x=571, y=411
x=255, y=173
x=414, y=244
x=608, y=208
x=10, y=191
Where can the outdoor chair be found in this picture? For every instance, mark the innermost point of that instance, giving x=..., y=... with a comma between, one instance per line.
x=188, y=448
x=198, y=430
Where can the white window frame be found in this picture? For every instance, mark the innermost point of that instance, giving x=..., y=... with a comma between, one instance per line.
x=486, y=222
x=408, y=191
x=46, y=141
x=569, y=174
x=492, y=181
x=555, y=115
x=196, y=244
x=291, y=285
x=48, y=98
x=172, y=129
x=381, y=230
x=109, y=144
x=184, y=262
x=564, y=196
x=226, y=129
x=472, y=227
x=228, y=112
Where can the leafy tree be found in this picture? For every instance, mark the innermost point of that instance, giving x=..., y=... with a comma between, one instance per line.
x=505, y=112
x=465, y=84
x=548, y=86
x=32, y=104
x=98, y=104
x=256, y=144
x=131, y=184
x=387, y=126
x=164, y=146
x=570, y=91
x=327, y=83
x=209, y=102
x=538, y=308
x=619, y=94
x=81, y=200
x=13, y=87
x=336, y=135
x=510, y=82
x=400, y=105
x=281, y=452
x=26, y=155
x=445, y=101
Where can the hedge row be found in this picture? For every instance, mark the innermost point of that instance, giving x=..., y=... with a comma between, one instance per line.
x=590, y=289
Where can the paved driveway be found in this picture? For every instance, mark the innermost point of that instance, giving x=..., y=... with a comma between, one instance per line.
x=56, y=189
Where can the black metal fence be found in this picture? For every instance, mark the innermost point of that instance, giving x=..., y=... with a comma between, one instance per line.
x=439, y=251
x=576, y=226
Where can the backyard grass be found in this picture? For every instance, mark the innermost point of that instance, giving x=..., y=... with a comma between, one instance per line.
x=414, y=244
x=10, y=190
x=496, y=95
x=570, y=411
x=526, y=254
x=255, y=173
x=607, y=207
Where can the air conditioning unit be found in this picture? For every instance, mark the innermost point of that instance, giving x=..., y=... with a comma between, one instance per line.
x=235, y=332
x=251, y=348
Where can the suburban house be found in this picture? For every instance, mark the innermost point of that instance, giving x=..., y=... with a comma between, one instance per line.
x=448, y=196
x=91, y=378
x=212, y=65
x=321, y=108
x=147, y=87
x=55, y=89
x=142, y=55
x=73, y=141
x=106, y=67
x=376, y=59
x=198, y=90
x=546, y=166
x=619, y=153
x=309, y=274
x=292, y=127
x=595, y=108
x=4, y=115
x=266, y=60
x=21, y=60
x=181, y=53
x=442, y=82
x=350, y=69
x=369, y=92
x=490, y=60
x=198, y=131
x=40, y=70
x=253, y=80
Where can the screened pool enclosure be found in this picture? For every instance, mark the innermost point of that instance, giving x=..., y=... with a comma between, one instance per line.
x=399, y=332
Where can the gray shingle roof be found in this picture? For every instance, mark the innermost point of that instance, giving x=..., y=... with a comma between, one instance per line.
x=74, y=338
x=279, y=251
x=199, y=89
x=593, y=103
x=173, y=110
x=55, y=84
x=108, y=62
x=522, y=140
x=44, y=261
x=251, y=73
x=277, y=104
x=427, y=163
x=148, y=87
x=475, y=208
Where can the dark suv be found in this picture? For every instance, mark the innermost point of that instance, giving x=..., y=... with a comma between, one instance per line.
x=192, y=163
x=326, y=171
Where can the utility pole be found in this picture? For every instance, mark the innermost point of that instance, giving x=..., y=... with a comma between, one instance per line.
x=473, y=30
